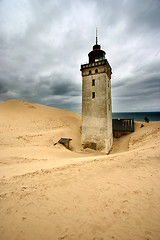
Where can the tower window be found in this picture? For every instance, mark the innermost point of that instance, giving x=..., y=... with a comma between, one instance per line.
x=93, y=94
x=96, y=71
x=93, y=82
x=90, y=72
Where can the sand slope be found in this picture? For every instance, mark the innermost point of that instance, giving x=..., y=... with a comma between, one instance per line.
x=27, y=124
x=49, y=192
x=28, y=133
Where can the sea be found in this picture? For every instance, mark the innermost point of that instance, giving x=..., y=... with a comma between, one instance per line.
x=137, y=116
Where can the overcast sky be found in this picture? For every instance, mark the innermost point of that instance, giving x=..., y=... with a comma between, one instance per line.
x=44, y=42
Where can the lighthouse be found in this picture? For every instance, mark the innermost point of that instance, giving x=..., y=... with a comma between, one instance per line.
x=96, y=101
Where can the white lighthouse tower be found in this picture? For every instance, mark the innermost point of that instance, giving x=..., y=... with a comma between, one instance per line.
x=96, y=101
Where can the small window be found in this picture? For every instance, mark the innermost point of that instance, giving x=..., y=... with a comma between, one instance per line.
x=93, y=82
x=90, y=72
x=96, y=71
x=93, y=146
x=93, y=94
x=109, y=107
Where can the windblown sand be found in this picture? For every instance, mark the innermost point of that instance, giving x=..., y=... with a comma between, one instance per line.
x=49, y=192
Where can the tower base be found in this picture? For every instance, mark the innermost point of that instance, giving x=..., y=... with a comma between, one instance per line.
x=103, y=145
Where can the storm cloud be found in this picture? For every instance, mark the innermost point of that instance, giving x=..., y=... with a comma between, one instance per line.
x=43, y=44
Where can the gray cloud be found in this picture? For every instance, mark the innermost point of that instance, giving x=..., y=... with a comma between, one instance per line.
x=3, y=88
x=65, y=88
x=43, y=44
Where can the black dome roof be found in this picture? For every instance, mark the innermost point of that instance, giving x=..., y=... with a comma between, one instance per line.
x=96, y=47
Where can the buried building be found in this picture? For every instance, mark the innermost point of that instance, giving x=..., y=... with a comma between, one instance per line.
x=96, y=101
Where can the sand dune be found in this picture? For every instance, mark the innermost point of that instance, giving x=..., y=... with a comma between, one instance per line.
x=49, y=192
x=28, y=124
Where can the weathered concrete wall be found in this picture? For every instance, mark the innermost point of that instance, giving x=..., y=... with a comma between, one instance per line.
x=96, y=112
